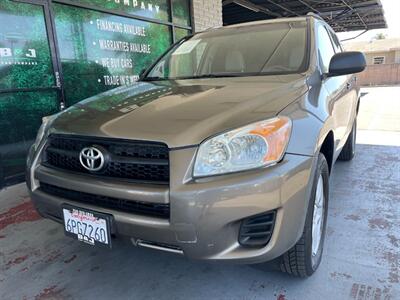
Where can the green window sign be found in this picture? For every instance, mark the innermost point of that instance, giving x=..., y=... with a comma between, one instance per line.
x=181, y=33
x=155, y=9
x=26, y=71
x=181, y=12
x=102, y=51
x=25, y=60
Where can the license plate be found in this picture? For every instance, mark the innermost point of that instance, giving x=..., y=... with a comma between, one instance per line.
x=87, y=226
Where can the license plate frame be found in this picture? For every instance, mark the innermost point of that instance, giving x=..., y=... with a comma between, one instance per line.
x=104, y=221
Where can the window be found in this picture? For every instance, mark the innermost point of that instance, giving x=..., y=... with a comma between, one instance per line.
x=278, y=48
x=25, y=56
x=325, y=48
x=336, y=43
x=379, y=60
x=108, y=52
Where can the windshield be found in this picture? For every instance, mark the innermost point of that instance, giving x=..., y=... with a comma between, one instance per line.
x=274, y=48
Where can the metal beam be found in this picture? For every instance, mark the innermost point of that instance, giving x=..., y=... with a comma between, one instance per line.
x=309, y=6
x=251, y=6
x=340, y=14
x=282, y=7
x=361, y=19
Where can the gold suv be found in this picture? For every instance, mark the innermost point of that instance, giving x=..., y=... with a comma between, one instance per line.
x=221, y=151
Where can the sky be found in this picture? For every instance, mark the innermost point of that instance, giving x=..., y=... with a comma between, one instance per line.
x=392, y=14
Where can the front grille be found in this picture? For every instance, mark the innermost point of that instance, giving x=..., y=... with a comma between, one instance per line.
x=137, y=207
x=256, y=231
x=136, y=161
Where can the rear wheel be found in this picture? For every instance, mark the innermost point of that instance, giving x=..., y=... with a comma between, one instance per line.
x=349, y=148
x=304, y=258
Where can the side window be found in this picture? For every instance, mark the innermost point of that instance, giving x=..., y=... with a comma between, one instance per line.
x=336, y=43
x=325, y=48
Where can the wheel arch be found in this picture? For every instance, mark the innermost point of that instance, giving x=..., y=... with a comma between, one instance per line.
x=327, y=148
x=358, y=105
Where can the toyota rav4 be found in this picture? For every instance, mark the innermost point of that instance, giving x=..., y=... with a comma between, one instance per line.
x=221, y=151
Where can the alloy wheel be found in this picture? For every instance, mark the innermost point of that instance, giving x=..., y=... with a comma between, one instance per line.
x=318, y=219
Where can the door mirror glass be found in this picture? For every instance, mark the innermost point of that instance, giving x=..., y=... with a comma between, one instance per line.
x=347, y=63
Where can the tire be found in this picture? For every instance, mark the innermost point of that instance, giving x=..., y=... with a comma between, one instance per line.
x=349, y=148
x=301, y=260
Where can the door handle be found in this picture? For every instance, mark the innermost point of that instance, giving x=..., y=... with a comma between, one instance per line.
x=348, y=85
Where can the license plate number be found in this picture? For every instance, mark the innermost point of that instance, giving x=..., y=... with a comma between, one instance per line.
x=87, y=226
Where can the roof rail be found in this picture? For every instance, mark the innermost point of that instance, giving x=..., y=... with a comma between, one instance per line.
x=311, y=14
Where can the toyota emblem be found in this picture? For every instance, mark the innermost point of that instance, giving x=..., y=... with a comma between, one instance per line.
x=92, y=159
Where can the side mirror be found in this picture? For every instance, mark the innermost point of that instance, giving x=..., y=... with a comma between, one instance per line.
x=347, y=63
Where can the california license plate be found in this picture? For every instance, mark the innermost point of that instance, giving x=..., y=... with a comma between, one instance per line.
x=87, y=226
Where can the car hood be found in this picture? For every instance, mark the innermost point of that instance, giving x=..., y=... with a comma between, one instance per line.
x=180, y=113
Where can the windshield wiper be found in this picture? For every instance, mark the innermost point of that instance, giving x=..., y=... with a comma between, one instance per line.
x=220, y=75
x=211, y=76
x=156, y=78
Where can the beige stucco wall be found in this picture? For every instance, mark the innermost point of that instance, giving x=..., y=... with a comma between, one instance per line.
x=397, y=57
x=390, y=57
x=375, y=75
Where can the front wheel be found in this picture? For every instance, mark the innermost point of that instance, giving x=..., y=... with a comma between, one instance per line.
x=304, y=258
x=349, y=149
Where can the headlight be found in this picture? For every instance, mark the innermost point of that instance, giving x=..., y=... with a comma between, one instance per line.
x=46, y=122
x=256, y=145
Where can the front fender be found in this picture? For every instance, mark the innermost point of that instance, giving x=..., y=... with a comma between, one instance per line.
x=308, y=130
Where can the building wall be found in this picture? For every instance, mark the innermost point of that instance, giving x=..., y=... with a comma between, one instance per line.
x=390, y=57
x=378, y=75
x=381, y=74
x=397, y=57
x=207, y=14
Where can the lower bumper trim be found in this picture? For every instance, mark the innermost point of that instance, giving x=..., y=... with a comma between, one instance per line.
x=157, y=246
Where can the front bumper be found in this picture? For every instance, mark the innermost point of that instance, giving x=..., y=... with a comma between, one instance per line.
x=205, y=214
